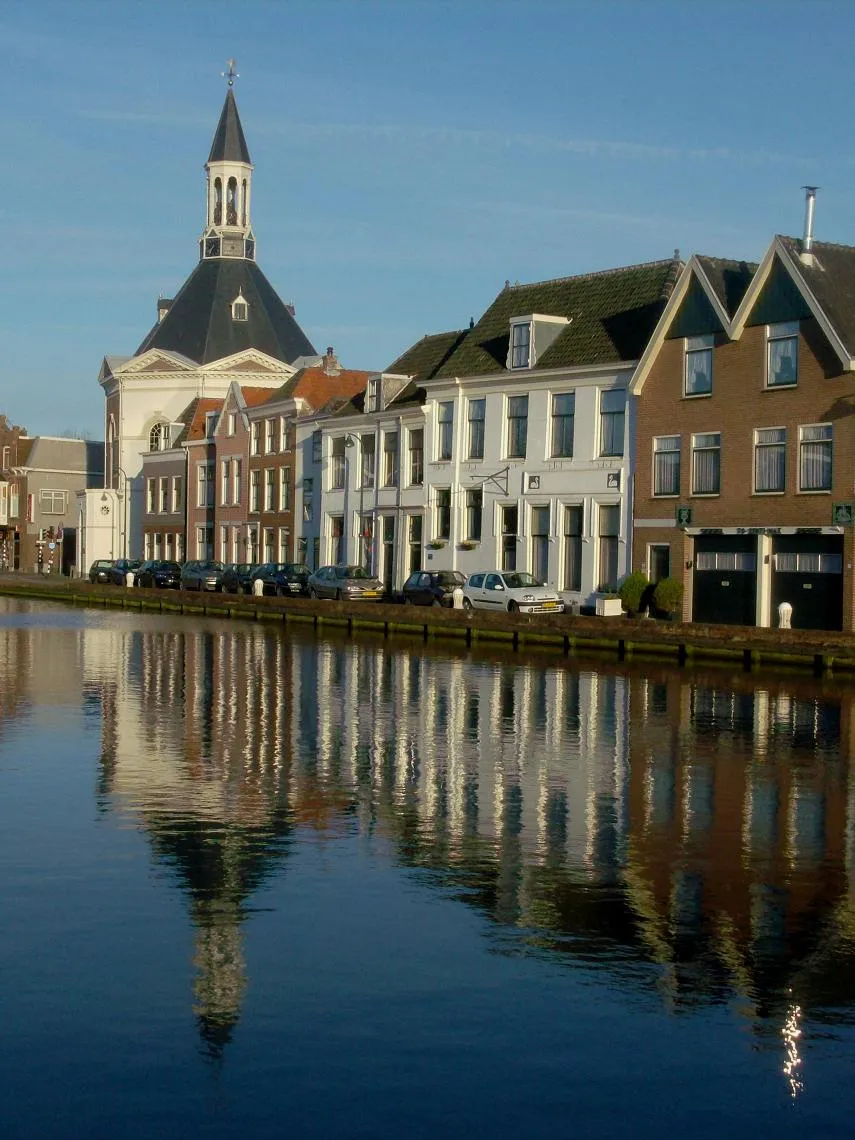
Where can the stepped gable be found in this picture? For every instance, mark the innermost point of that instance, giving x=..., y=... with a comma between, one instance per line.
x=729, y=279
x=831, y=279
x=612, y=315
x=199, y=323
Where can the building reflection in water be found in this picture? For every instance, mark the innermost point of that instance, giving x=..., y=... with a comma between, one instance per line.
x=690, y=833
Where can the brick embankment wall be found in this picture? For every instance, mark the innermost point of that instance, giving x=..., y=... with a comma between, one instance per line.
x=623, y=637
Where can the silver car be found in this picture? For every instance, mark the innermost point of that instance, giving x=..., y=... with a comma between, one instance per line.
x=510, y=590
x=343, y=582
x=202, y=575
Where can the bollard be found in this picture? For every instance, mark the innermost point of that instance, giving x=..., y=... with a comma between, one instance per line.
x=257, y=587
x=129, y=579
x=785, y=613
x=457, y=595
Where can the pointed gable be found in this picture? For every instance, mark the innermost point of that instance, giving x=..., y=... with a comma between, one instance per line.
x=779, y=299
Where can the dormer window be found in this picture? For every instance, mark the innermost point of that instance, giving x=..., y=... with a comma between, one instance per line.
x=210, y=424
x=158, y=437
x=372, y=402
x=520, y=345
x=240, y=309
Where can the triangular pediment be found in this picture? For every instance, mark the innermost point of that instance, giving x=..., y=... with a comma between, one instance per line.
x=251, y=360
x=157, y=360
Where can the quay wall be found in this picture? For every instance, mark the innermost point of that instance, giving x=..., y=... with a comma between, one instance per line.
x=625, y=638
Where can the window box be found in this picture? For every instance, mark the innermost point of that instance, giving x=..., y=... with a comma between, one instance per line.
x=436, y=544
x=467, y=544
x=608, y=605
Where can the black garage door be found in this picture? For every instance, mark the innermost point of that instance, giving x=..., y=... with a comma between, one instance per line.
x=725, y=587
x=807, y=572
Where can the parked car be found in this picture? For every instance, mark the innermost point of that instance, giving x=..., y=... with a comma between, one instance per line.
x=432, y=587
x=159, y=573
x=342, y=582
x=202, y=575
x=510, y=590
x=283, y=578
x=118, y=571
x=237, y=578
x=100, y=569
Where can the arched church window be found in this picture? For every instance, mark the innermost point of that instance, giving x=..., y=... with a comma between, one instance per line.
x=157, y=438
x=218, y=202
x=243, y=203
x=111, y=447
x=231, y=202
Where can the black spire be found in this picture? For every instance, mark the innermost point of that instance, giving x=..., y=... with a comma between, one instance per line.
x=229, y=145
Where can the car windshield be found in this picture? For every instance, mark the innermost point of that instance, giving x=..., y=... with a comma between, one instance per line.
x=291, y=568
x=211, y=566
x=519, y=581
x=352, y=572
x=448, y=578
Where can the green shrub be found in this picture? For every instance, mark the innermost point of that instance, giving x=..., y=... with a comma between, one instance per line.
x=632, y=590
x=668, y=595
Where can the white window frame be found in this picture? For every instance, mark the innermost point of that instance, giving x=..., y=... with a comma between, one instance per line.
x=763, y=445
x=694, y=348
x=520, y=353
x=776, y=336
x=825, y=441
x=703, y=448
x=255, y=438
x=660, y=448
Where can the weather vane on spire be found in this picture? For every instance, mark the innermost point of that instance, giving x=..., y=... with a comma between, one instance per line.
x=231, y=75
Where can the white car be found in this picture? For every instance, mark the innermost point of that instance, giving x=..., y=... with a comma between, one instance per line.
x=510, y=590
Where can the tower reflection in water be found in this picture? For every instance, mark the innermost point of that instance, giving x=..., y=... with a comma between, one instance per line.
x=690, y=833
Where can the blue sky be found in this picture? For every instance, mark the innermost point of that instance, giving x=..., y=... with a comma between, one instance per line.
x=409, y=157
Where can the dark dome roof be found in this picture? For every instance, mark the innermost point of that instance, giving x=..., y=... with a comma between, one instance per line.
x=199, y=322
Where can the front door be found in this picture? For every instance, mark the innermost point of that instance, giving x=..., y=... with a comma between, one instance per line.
x=387, y=575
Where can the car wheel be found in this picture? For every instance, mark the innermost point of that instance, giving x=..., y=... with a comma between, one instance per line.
x=408, y=601
x=338, y=595
x=436, y=603
x=513, y=608
x=467, y=605
x=313, y=593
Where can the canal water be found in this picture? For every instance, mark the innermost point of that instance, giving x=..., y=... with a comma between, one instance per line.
x=256, y=883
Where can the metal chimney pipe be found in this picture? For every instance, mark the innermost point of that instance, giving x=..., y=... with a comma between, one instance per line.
x=810, y=203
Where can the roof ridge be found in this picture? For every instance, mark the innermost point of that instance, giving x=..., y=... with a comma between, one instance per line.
x=597, y=273
x=816, y=242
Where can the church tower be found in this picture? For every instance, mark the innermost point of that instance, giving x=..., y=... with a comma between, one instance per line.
x=228, y=228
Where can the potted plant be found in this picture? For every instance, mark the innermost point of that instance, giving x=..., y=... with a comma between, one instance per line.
x=467, y=544
x=668, y=596
x=436, y=544
x=632, y=590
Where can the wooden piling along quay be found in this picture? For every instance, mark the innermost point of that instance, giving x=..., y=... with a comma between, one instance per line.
x=627, y=639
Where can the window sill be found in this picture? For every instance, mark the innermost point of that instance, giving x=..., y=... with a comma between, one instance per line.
x=819, y=491
x=697, y=395
x=705, y=495
x=778, y=387
x=669, y=495
x=767, y=494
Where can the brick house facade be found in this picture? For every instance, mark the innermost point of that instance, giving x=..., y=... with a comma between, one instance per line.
x=745, y=439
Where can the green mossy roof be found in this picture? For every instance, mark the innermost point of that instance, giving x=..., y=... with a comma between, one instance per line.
x=611, y=313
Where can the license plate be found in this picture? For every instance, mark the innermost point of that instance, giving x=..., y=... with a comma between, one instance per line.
x=371, y=594
x=549, y=605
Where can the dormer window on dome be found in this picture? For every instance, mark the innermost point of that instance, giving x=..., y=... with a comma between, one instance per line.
x=530, y=337
x=240, y=309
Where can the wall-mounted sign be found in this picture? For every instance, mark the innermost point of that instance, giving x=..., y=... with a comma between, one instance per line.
x=842, y=514
x=684, y=516
x=613, y=480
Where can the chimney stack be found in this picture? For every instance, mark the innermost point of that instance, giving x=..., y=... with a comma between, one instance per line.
x=807, y=240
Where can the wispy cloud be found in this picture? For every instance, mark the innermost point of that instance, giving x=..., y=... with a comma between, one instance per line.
x=397, y=134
